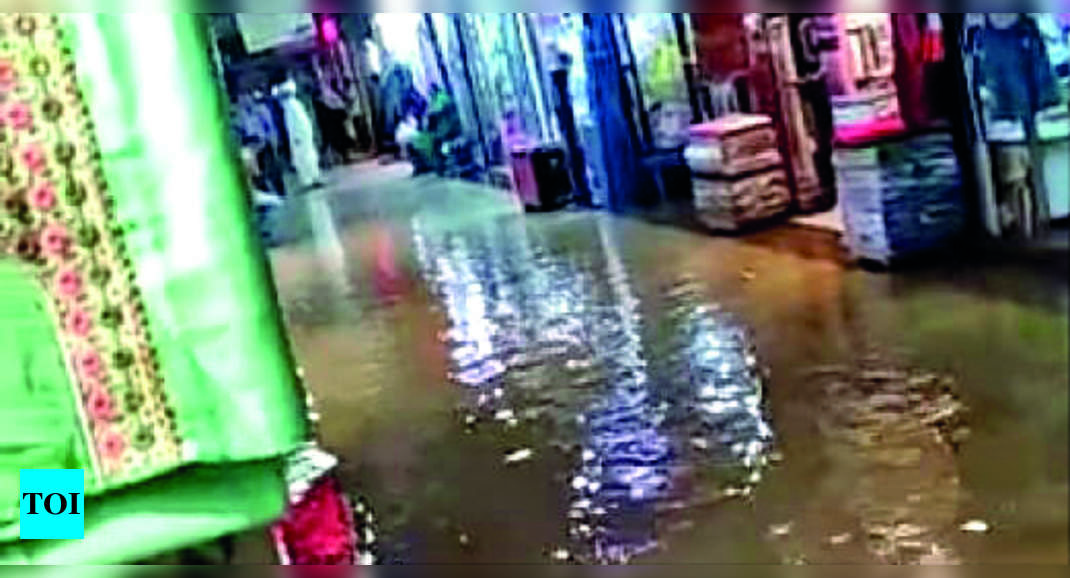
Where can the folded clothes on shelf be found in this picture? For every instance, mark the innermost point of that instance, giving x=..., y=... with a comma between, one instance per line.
x=900, y=195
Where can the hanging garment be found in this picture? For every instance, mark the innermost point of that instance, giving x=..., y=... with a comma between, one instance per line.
x=1015, y=70
x=909, y=74
x=139, y=337
x=303, y=153
x=395, y=97
x=661, y=81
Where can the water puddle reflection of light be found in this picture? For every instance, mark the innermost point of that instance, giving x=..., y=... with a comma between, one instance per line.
x=562, y=340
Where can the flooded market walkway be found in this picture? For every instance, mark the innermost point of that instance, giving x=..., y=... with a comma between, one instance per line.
x=516, y=388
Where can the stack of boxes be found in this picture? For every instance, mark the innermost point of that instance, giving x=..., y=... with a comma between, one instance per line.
x=738, y=173
x=900, y=193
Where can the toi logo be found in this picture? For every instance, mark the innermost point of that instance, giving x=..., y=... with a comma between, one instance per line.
x=51, y=504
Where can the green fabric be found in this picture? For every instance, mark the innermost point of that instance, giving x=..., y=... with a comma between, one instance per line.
x=661, y=81
x=39, y=426
x=188, y=507
x=209, y=300
x=183, y=212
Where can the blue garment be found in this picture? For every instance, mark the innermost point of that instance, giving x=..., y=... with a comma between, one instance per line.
x=395, y=98
x=249, y=127
x=263, y=116
x=1016, y=69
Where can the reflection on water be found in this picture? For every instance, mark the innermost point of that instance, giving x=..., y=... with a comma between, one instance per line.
x=654, y=419
x=589, y=416
x=894, y=433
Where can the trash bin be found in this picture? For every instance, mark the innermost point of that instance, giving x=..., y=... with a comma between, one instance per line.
x=540, y=176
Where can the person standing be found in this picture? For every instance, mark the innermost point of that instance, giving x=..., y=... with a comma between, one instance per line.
x=333, y=116
x=269, y=157
x=253, y=139
x=303, y=153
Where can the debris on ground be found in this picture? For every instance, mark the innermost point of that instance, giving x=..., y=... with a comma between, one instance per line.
x=519, y=456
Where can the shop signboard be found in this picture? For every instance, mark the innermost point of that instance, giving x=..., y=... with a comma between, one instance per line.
x=261, y=31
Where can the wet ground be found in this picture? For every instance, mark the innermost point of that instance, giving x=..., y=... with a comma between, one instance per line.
x=576, y=386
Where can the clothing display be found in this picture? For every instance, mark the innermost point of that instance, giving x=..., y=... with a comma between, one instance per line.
x=867, y=51
x=738, y=174
x=922, y=80
x=1015, y=51
x=318, y=527
x=731, y=204
x=606, y=93
x=900, y=191
x=732, y=144
x=502, y=81
x=659, y=60
x=1015, y=72
x=862, y=107
x=798, y=46
x=1014, y=173
x=140, y=340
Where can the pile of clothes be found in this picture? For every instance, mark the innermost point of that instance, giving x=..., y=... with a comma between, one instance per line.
x=738, y=171
x=901, y=194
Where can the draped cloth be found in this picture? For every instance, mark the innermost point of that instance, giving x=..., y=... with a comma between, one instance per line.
x=140, y=339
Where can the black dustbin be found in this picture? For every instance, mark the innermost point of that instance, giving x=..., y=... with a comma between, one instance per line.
x=541, y=177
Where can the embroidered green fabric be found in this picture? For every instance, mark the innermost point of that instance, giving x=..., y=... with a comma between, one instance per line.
x=180, y=208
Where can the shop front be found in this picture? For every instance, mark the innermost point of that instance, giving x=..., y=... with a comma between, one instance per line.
x=894, y=155
x=836, y=121
x=1017, y=76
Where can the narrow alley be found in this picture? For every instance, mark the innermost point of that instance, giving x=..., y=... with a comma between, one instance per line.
x=534, y=289
x=576, y=386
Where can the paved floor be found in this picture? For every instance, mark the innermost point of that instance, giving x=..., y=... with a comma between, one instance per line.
x=830, y=220
x=505, y=387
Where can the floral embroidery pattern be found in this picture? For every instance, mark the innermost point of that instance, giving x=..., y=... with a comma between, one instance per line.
x=55, y=216
x=19, y=116
x=43, y=196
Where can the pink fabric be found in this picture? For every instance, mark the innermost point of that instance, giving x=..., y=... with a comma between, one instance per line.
x=33, y=156
x=729, y=124
x=524, y=179
x=43, y=196
x=318, y=529
x=68, y=284
x=7, y=75
x=55, y=241
x=89, y=364
x=79, y=322
x=19, y=116
x=101, y=407
x=868, y=132
x=111, y=445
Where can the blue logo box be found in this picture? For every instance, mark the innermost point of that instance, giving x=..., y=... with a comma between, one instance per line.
x=51, y=504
